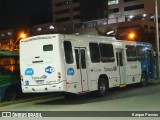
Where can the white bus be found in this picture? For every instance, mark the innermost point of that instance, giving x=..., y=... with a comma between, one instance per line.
x=79, y=64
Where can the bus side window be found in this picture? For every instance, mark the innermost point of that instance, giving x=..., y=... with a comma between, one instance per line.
x=68, y=52
x=106, y=51
x=94, y=52
x=131, y=53
x=140, y=53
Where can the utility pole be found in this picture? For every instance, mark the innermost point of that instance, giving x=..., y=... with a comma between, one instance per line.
x=157, y=36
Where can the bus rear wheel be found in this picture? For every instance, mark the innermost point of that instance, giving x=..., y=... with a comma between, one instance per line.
x=10, y=94
x=102, y=87
x=144, y=80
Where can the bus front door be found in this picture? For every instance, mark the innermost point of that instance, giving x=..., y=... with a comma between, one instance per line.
x=120, y=64
x=80, y=54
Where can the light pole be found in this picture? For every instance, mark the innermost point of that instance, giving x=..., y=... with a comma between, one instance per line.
x=157, y=36
x=22, y=35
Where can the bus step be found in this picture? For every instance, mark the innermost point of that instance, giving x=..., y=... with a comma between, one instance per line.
x=122, y=85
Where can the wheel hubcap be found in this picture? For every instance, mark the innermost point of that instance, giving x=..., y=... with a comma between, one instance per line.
x=102, y=88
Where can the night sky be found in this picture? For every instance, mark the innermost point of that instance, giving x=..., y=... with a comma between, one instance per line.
x=24, y=13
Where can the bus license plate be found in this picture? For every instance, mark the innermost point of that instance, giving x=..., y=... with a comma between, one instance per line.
x=40, y=82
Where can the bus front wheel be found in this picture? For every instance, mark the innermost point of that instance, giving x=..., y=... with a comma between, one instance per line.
x=102, y=87
x=10, y=94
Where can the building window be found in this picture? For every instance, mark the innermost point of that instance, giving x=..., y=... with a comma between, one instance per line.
x=75, y=1
x=112, y=2
x=62, y=3
x=94, y=52
x=63, y=19
x=76, y=8
x=9, y=33
x=51, y=27
x=2, y=35
x=114, y=10
x=128, y=0
x=68, y=52
x=39, y=29
x=62, y=11
x=77, y=17
x=58, y=4
x=134, y=7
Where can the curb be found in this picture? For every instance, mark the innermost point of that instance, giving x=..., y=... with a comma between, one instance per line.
x=7, y=103
x=154, y=81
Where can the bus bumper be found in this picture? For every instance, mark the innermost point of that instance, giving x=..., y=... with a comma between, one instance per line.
x=61, y=87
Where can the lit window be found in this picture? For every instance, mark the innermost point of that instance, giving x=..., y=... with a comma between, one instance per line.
x=9, y=33
x=144, y=15
x=131, y=16
x=2, y=35
x=51, y=27
x=39, y=29
x=112, y=2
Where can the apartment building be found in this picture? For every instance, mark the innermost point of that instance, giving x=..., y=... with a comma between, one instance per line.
x=127, y=10
x=66, y=12
x=69, y=12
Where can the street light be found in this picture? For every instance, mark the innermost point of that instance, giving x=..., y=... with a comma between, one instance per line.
x=131, y=36
x=21, y=36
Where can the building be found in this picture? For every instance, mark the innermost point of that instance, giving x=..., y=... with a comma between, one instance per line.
x=70, y=12
x=6, y=38
x=66, y=12
x=127, y=10
x=11, y=37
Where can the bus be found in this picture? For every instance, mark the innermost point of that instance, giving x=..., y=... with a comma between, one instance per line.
x=81, y=64
x=10, y=84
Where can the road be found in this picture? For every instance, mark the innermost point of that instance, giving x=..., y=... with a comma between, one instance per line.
x=132, y=98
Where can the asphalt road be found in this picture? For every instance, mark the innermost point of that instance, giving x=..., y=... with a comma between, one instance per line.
x=132, y=98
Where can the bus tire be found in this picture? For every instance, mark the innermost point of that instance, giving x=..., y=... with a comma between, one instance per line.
x=144, y=79
x=102, y=87
x=10, y=94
